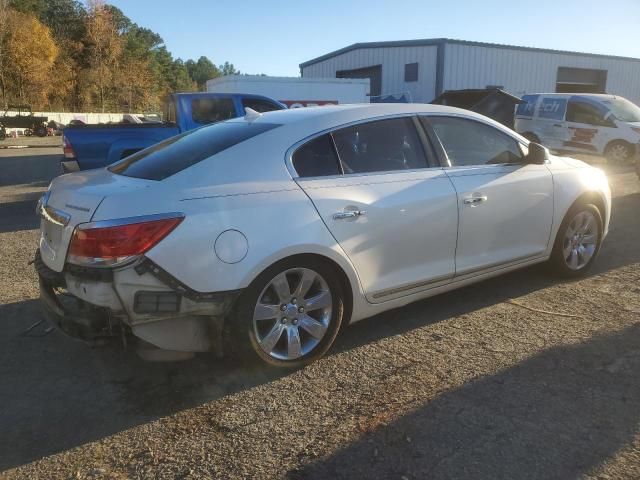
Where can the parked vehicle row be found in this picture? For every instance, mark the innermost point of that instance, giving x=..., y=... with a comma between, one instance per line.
x=606, y=125
x=273, y=230
x=92, y=146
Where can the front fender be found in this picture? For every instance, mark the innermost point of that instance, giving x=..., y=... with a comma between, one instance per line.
x=573, y=180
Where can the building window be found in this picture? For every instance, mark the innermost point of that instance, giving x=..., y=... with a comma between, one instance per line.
x=411, y=72
x=581, y=80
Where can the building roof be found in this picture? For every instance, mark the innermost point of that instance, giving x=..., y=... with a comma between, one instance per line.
x=442, y=41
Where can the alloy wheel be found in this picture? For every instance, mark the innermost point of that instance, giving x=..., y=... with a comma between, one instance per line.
x=580, y=240
x=292, y=314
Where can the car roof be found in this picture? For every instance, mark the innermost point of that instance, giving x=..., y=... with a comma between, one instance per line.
x=577, y=94
x=353, y=112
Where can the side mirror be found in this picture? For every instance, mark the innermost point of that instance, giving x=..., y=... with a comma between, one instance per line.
x=537, y=155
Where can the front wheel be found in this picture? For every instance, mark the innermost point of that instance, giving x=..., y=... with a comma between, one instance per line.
x=578, y=241
x=619, y=153
x=291, y=314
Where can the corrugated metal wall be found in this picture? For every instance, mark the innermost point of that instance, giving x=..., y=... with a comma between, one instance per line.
x=521, y=71
x=393, y=60
x=473, y=66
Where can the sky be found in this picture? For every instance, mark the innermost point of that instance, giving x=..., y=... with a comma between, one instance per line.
x=274, y=36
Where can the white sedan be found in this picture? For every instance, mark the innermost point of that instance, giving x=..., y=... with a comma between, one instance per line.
x=273, y=230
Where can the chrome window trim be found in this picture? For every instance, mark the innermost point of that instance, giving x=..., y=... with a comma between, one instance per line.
x=291, y=150
x=129, y=220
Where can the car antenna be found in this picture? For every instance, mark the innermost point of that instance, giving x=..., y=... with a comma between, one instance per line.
x=251, y=114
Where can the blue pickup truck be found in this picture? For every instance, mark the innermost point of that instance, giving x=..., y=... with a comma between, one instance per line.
x=94, y=146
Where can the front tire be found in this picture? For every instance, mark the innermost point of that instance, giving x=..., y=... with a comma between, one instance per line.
x=291, y=314
x=619, y=152
x=578, y=241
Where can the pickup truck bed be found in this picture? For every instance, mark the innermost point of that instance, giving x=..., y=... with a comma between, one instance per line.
x=93, y=146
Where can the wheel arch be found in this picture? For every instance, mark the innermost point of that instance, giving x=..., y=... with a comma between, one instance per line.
x=346, y=282
x=631, y=146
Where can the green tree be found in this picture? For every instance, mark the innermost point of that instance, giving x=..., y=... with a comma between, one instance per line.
x=201, y=71
x=228, y=69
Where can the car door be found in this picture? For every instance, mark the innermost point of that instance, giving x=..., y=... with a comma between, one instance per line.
x=505, y=205
x=550, y=120
x=392, y=212
x=590, y=125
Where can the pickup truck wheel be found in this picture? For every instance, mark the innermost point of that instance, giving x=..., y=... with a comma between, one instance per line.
x=290, y=315
x=578, y=241
x=619, y=152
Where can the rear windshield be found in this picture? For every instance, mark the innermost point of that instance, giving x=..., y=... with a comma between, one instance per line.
x=182, y=151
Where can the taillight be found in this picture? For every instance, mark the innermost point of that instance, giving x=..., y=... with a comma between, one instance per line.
x=67, y=148
x=110, y=243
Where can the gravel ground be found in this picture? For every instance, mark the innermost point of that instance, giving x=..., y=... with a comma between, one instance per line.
x=522, y=376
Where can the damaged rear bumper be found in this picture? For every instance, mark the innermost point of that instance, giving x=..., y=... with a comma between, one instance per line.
x=140, y=300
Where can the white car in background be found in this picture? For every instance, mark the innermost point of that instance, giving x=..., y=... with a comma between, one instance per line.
x=275, y=229
x=606, y=125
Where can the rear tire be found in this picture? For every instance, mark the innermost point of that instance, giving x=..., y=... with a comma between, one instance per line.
x=294, y=331
x=619, y=152
x=578, y=241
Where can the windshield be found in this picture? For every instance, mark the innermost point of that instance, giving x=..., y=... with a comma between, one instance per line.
x=623, y=109
x=182, y=151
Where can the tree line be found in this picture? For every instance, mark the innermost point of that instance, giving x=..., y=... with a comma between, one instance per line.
x=60, y=55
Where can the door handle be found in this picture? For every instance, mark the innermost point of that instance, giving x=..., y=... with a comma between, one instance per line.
x=475, y=200
x=349, y=214
x=557, y=125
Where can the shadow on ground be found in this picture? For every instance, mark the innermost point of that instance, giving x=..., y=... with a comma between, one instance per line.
x=558, y=414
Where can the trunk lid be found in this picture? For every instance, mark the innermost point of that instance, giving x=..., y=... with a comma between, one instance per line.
x=73, y=199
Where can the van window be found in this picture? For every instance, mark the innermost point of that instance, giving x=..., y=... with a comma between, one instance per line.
x=210, y=110
x=526, y=109
x=623, y=109
x=169, y=111
x=583, y=110
x=182, y=151
x=552, y=108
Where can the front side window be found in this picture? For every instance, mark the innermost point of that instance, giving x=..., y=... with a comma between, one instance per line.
x=260, y=105
x=623, y=109
x=468, y=142
x=316, y=158
x=182, y=151
x=210, y=110
x=581, y=110
x=380, y=146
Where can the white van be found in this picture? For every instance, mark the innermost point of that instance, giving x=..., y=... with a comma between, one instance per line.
x=606, y=125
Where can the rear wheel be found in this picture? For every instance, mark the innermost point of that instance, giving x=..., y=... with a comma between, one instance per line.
x=619, y=153
x=291, y=314
x=578, y=241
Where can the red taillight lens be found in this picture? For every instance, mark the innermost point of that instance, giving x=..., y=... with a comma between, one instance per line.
x=67, y=148
x=113, y=244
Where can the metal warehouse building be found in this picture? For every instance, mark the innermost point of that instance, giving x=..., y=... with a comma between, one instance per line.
x=422, y=69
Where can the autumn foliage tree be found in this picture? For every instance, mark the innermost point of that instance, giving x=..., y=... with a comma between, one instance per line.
x=71, y=55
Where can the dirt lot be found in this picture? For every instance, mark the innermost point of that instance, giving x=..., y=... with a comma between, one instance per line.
x=522, y=376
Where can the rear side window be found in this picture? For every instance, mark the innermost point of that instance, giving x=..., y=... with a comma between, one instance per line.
x=317, y=158
x=552, y=108
x=182, y=151
x=210, y=110
x=380, y=146
x=260, y=105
